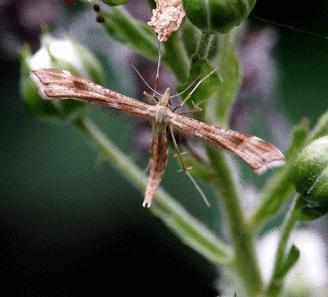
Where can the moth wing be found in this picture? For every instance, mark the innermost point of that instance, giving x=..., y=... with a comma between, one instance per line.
x=257, y=153
x=158, y=162
x=61, y=84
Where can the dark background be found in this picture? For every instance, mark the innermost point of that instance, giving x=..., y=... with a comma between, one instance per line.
x=71, y=226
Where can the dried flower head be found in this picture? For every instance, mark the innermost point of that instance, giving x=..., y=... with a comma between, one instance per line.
x=167, y=18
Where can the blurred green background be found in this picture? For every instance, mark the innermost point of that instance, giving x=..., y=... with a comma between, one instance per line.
x=72, y=226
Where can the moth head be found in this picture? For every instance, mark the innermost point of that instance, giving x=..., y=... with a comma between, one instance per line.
x=165, y=99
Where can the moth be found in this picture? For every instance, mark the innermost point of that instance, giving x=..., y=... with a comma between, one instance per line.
x=258, y=154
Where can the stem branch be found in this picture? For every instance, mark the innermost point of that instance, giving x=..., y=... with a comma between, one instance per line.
x=276, y=283
x=242, y=240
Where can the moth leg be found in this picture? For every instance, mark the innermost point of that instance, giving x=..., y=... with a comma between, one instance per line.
x=185, y=89
x=195, y=88
x=144, y=81
x=186, y=170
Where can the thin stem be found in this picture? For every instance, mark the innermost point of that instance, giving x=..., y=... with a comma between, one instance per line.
x=186, y=227
x=276, y=284
x=241, y=236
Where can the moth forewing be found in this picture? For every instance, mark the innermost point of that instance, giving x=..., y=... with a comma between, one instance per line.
x=257, y=153
x=61, y=84
x=158, y=162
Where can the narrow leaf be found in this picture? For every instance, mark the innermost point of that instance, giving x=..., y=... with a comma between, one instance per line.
x=230, y=72
x=279, y=187
x=289, y=261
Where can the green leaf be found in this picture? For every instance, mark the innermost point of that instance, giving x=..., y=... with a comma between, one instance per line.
x=229, y=70
x=67, y=109
x=40, y=108
x=90, y=63
x=299, y=137
x=175, y=57
x=321, y=128
x=137, y=35
x=213, y=46
x=189, y=38
x=290, y=260
x=279, y=188
x=287, y=263
x=46, y=110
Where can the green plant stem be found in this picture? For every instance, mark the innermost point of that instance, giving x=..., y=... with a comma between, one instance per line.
x=276, y=283
x=204, y=45
x=242, y=240
x=175, y=57
x=190, y=230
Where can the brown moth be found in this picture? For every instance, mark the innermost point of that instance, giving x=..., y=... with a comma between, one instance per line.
x=257, y=153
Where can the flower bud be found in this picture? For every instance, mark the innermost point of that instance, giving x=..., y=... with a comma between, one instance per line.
x=115, y=2
x=42, y=109
x=217, y=15
x=310, y=177
x=64, y=54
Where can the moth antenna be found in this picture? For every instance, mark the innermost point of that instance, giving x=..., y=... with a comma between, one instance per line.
x=144, y=81
x=158, y=65
x=289, y=27
x=185, y=169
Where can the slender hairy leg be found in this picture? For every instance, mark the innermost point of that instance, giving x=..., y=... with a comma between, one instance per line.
x=186, y=170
